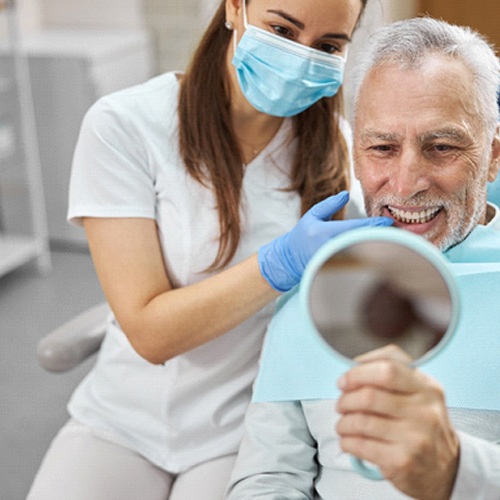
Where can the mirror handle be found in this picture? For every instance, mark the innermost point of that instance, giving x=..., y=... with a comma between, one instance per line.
x=368, y=471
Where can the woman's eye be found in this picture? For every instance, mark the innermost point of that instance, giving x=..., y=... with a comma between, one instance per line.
x=328, y=48
x=282, y=31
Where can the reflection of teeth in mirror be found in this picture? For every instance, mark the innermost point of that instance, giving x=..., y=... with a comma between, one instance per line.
x=420, y=217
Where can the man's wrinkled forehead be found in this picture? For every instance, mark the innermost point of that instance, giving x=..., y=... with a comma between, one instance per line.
x=423, y=104
x=455, y=134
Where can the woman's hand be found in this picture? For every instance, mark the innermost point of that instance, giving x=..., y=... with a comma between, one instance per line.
x=395, y=417
x=283, y=260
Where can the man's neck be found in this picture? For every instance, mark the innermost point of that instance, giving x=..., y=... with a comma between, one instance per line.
x=490, y=213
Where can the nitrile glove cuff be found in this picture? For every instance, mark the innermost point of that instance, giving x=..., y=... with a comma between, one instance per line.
x=276, y=265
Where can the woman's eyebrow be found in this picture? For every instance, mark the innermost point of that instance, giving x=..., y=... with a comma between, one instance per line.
x=301, y=25
x=288, y=18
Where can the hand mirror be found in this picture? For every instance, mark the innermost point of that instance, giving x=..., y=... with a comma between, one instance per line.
x=372, y=287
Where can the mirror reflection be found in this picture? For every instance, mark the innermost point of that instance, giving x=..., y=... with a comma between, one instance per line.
x=375, y=293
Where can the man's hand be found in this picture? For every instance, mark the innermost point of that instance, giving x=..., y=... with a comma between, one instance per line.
x=395, y=417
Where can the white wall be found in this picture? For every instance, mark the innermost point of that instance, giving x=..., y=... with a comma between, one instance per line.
x=176, y=26
x=34, y=15
x=92, y=13
x=208, y=7
x=29, y=14
x=29, y=17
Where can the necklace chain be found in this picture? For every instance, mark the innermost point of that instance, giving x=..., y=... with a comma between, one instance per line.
x=256, y=148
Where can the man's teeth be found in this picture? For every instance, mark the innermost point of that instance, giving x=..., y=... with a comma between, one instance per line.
x=414, y=217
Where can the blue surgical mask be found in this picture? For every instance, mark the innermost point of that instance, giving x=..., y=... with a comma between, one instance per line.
x=280, y=77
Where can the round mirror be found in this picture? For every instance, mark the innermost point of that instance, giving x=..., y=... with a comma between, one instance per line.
x=372, y=287
x=380, y=287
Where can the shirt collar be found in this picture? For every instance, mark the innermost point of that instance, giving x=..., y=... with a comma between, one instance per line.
x=494, y=222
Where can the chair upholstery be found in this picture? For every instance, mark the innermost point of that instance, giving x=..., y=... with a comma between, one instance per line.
x=74, y=341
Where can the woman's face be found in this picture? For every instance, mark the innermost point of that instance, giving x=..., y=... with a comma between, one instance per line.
x=325, y=25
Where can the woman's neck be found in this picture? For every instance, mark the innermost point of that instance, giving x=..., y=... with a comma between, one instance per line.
x=254, y=131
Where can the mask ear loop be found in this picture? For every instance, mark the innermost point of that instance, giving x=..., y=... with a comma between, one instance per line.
x=235, y=43
x=345, y=54
x=245, y=24
x=245, y=20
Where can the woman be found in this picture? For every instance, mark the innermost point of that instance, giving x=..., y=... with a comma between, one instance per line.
x=180, y=184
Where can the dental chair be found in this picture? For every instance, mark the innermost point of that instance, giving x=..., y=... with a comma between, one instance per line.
x=74, y=341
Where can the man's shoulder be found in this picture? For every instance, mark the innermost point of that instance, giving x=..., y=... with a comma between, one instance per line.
x=482, y=245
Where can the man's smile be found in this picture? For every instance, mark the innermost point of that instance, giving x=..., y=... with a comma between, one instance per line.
x=413, y=216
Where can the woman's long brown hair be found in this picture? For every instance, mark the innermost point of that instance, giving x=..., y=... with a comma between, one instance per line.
x=211, y=153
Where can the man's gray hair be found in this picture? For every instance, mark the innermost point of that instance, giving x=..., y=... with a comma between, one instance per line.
x=408, y=42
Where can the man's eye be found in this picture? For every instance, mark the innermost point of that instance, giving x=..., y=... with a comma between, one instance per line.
x=382, y=151
x=443, y=147
x=382, y=148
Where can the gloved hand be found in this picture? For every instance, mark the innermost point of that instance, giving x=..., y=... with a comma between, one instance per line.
x=283, y=260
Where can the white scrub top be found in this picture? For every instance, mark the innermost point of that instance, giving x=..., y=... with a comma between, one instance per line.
x=127, y=164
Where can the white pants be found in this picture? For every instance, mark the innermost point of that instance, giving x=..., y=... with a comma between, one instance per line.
x=81, y=466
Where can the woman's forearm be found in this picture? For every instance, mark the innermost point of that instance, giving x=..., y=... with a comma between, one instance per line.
x=179, y=320
x=160, y=321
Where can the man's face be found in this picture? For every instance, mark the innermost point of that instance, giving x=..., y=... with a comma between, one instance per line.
x=421, y=154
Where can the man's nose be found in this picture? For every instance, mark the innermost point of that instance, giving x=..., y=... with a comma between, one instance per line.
x=411, y=175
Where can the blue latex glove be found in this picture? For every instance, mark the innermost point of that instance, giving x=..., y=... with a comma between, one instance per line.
x=283, y=260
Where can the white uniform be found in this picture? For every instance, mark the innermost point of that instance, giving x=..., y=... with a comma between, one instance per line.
x=127, y=164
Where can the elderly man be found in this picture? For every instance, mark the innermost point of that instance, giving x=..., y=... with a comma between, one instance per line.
x=426, y=143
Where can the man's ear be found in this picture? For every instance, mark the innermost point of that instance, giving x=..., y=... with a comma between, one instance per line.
x=355, y=165
x=233, y=10
x=355, y=169
x=495, y=156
